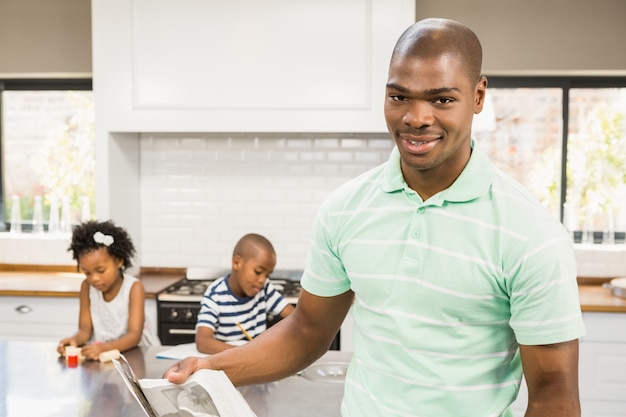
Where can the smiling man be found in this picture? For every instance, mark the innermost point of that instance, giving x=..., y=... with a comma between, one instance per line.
x=459, y=281
x=434, y=88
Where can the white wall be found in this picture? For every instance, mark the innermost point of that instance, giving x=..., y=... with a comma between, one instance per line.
x=542, y=37
x=518, y=36
x=45, y=37
x=185, y=206
x=200, y=193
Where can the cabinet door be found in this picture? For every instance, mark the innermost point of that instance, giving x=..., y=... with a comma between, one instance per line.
x=603, y=408
x=521, y=403
x=38, y=318
x=244, y=65
x=150, y=307
x=346, y=335
x=602, y=370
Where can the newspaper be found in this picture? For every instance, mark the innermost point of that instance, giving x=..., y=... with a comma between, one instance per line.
x=207, y=393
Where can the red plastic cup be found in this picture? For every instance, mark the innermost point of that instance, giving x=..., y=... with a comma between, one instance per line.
x=71, y=356
x=72, y=361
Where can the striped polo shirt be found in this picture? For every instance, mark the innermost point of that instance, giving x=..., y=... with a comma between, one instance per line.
x=445, y=289
x=221, y=310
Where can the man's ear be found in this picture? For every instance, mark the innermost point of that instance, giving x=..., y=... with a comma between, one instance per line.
x=479, y=94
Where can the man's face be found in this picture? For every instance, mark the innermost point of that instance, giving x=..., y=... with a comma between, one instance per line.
x=429, y=108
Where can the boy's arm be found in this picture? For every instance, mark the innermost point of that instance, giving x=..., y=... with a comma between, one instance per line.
x=286, y=311
x=207, y=343
x=298, y=341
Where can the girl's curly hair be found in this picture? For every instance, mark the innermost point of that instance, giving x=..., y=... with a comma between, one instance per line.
x=83, y=241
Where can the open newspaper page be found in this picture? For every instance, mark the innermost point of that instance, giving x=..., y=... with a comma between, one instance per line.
x=206, y=393
x=124, y=369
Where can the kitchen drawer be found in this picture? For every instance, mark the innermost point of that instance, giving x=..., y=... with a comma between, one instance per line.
x=38, y=318
x=37, y=332
x=604, y=327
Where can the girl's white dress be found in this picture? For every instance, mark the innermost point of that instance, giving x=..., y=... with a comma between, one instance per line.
x=110, y=318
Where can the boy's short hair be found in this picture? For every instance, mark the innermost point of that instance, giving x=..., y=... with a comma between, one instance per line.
x=250, y=244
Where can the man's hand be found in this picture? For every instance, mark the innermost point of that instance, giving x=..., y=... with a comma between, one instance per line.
x=181, y=370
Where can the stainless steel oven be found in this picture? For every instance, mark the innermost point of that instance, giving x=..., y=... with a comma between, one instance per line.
x=178, y=305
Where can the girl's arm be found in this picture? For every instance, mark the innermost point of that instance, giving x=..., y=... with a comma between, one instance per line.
x=85, y=328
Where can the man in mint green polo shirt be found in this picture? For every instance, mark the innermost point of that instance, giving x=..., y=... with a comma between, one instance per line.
x=458, y=279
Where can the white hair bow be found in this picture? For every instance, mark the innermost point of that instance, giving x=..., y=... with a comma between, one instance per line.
x=106, y=240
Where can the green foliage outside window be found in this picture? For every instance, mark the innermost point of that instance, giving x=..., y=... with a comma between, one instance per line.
x=596, y=169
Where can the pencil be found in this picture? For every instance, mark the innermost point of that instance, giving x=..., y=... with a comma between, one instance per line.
x=243, y=331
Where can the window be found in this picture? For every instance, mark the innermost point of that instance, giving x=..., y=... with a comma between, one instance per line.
x=564, y=139
x=47, y=158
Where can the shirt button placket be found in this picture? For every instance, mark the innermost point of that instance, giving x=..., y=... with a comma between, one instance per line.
x=415, y=234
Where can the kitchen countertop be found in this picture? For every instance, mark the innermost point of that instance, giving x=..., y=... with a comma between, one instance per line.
x=95, y=389
x=38, y=283
x=593, y=297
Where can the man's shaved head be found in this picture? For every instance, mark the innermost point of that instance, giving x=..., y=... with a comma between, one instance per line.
x=435, y=36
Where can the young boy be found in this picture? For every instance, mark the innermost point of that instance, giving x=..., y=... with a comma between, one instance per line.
x=235, y=307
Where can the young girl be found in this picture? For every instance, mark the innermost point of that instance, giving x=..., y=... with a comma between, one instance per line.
x=111, y=302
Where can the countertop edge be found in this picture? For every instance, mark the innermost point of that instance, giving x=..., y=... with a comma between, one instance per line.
x=154, y=280
x=593, y=296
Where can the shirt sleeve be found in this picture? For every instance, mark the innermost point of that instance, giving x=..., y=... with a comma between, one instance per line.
x=545, y=306
x=324, y=274
x=275, y=302
x=208, y=316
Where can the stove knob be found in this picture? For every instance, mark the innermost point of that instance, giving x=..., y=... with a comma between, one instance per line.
x=173, y=314
x=188, y=315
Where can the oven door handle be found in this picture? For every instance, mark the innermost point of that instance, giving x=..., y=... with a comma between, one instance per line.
x=182, y=331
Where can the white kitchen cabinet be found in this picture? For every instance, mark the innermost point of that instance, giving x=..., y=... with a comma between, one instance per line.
x=49, y=318
x=602, y=367
x=244, y=65
x=38, y=318
x=346, y=335
x=519, y=405
x=150, y=312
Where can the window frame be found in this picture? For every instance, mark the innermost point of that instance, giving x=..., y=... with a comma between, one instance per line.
x=31, y=84
x=565, y=83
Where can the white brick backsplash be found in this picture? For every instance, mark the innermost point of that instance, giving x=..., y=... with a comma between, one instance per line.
x=340, y=156
x=26, y=248
x=299, y=143
x=326, y=143
x=268, y=183
x=353, y=143
x=201, y=192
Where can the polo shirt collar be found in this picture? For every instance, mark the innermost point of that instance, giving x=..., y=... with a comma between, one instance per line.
x=474, y=181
